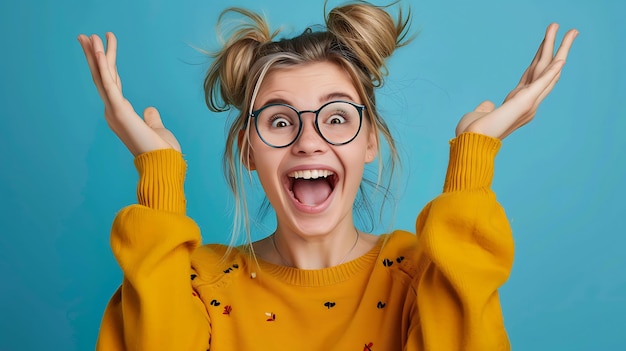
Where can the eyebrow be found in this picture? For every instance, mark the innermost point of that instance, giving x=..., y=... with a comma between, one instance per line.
x=328, y=97
x=337, y=96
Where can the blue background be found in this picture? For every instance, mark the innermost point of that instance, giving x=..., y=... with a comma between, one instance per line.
x=64, y=175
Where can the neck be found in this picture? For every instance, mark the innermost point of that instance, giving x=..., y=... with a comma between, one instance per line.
x=316, y=252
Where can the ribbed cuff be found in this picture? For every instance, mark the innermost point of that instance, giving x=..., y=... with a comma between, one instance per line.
x=161, y=180
x=471, y=162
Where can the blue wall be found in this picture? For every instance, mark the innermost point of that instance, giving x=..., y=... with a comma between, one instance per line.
x=64, y=175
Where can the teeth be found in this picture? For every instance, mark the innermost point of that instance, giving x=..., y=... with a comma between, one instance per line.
x=311, y=174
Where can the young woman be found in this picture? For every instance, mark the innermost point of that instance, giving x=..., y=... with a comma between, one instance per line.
x=307, y=125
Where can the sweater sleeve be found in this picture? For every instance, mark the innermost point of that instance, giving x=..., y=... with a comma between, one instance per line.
x=466, y=250
x=155, y=308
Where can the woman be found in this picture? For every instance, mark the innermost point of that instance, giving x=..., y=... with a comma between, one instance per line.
x=307, y=125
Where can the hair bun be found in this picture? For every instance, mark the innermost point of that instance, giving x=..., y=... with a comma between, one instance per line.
x=370, y=33
x=226, y=79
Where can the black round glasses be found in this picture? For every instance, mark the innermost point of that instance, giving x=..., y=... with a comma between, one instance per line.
x=280, y=125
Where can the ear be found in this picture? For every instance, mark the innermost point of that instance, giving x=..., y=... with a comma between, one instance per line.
x=247, y=156
x=372, y=146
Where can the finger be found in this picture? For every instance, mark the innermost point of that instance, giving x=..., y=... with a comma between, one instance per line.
x=528, y=99
x=111, y=48
x=485, y=106
x=550, y=38
x=540, y=55
x=543, y=84
x=111, y=53
x=112, y=93
x=530, y=95
x=88, y=49
x=107, y=87
x=547, y=52
x=85, y=44
x=524, y=80
x=532, y=71
x=152, y=118
x=566, y=44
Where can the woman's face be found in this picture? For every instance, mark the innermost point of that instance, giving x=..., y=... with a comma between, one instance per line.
x=323, y=203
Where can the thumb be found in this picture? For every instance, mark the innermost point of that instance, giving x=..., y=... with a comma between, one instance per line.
x=152, y=118
x=485, y=106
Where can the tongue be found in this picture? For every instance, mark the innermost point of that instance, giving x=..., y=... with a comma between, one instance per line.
x=311, y=192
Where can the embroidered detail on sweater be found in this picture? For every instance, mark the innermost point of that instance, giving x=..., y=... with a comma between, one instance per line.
x=388, y=263
x=230, y=269
x=329, y=304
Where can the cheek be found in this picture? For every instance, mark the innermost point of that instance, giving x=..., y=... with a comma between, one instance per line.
x=266, y=173
x=354, y=164
x=266, y=162
x=365, y=146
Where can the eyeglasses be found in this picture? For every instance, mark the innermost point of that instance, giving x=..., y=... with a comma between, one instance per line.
x=280, y=125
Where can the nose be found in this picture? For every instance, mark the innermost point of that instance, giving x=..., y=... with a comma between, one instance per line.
x=309, y=141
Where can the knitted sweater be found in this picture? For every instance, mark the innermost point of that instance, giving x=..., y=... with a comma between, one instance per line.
x=433, y=290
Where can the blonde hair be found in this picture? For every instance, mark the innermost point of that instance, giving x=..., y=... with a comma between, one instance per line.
x=357, y=36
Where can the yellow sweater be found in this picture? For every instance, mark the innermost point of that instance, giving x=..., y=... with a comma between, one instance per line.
x=436, y=290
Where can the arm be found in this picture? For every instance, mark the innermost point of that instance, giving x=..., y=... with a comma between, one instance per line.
x=466, y=244
x=467, y=253
x=155, y=308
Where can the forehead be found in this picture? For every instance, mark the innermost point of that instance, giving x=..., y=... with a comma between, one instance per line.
x=305, y=86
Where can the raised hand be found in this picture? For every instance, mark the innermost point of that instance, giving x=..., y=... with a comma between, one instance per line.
x=520, y=105
x=139, y=135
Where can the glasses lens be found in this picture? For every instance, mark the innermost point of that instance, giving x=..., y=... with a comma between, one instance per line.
x=339, y=122
x=278, y=125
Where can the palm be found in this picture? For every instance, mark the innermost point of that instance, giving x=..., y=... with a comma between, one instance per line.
x=139, y=135
x=520, y=105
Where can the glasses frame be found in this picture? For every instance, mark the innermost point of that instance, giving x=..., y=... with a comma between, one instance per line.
x=256, y=113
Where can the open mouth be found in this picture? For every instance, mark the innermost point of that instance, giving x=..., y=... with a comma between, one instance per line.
x=311, y=187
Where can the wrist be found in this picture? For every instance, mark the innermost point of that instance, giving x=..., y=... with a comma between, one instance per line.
x=471, y=164
x=161, y=180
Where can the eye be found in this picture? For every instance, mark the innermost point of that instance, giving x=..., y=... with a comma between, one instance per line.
x=280, y=122
x=336, y=119
x=337, y=116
